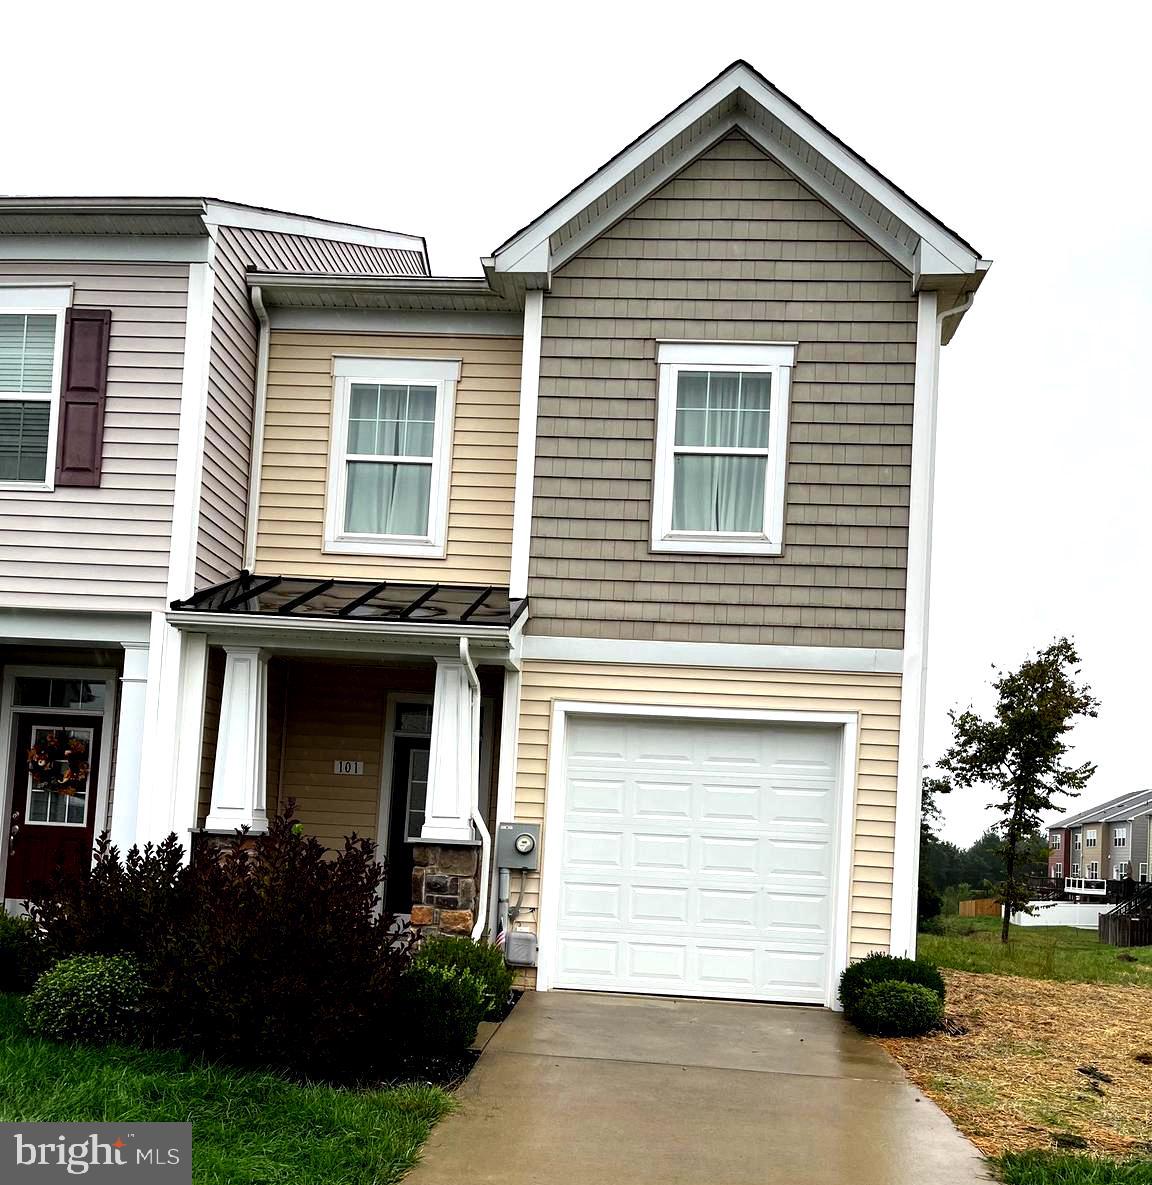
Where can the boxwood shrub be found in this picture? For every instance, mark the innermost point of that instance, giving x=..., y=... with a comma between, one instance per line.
x=894, y=1009
x=90, y=998
x=438, y=1010
x=881, y=968
x=484, y=960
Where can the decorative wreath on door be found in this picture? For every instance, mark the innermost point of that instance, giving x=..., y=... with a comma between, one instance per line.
x=59, y=762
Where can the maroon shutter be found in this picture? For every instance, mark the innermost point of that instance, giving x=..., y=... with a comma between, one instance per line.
x=85, y=380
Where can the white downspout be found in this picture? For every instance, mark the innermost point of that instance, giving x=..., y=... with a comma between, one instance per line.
x=955, y=311
x=258, y=412
x=474, y=794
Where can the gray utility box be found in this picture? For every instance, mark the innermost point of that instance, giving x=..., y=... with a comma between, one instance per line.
x=518, y=846
x=520, y=948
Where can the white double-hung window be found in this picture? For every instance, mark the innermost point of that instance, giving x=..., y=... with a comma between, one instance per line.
x=721, y=447
x=1119, y=837
x=31, y=348
x=390, y=462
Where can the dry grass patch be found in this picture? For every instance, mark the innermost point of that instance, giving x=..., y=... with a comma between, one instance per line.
x=1015, y=1080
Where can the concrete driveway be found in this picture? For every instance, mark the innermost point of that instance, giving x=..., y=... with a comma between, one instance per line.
x=632, y=1090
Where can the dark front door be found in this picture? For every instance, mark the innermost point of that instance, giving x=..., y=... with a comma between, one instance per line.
x=54, y=806
x=406, y=817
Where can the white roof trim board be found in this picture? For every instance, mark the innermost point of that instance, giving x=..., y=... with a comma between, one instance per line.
x=741, y=98
x=1126, y=806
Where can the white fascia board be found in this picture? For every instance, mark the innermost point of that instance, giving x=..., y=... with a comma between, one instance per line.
x=725, y=655
x=410, y=321
x=226, y=214
x=107, y=248
x=285, y=630
x=72, y=625
x=527, y=245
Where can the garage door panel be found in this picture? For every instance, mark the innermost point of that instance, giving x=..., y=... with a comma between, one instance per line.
x=661, y=852
x=597, y=796
x=598, y=848
x=697, y=858
x=662, y=799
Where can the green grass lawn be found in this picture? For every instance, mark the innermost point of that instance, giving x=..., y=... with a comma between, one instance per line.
x=248, y=1129
x=1058, y=1168
x=1036, y=952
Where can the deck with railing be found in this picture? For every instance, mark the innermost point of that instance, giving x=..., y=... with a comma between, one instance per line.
x=1130, y=923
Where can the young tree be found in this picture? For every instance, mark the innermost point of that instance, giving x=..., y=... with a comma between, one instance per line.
x=1020, y=753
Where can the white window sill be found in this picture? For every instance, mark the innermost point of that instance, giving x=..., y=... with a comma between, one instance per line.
x=718, y=545
x=28, y=487
x=414, y=549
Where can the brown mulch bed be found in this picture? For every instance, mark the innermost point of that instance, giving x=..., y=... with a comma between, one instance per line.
x=1040, y=1062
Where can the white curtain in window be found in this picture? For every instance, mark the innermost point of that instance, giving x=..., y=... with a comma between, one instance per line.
x=718, y=493
x=386, y=498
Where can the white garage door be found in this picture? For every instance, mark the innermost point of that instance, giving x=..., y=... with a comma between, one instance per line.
x=697, y=858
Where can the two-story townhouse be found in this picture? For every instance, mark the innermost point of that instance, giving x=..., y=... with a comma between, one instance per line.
x=629, y=539
x=128, y=365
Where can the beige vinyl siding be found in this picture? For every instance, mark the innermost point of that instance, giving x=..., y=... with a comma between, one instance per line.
x=732, y=248
x=334, y=711
x=875, y=697
x=107, y=548
x=295, y=461
x=232, y=372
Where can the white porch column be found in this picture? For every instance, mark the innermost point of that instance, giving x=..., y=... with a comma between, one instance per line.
x=129, y=745
x=173, y=734
x=448, y=814
x=239, y=779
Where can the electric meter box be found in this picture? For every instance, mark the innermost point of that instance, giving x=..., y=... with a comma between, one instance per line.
x=518, y=845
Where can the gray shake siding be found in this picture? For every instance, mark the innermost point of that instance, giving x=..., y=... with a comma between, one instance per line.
x=732, y=248
x=108, y=547
x=232, y=371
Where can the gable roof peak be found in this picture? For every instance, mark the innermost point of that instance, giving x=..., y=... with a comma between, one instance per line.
x=740, y=97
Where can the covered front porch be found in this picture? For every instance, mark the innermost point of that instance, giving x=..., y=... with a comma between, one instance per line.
x=376, y=709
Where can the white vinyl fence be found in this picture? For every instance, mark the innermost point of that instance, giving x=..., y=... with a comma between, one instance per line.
x=1062, y=913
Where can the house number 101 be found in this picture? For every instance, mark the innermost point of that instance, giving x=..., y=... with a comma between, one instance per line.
x=347, y=767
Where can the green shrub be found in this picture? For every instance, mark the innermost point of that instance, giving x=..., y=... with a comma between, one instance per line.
x=484, y=960
x=894, y=1009
x=269, y=950
x=22, y=955
x=91, y=998
x=438, y=1010
x=880, y=968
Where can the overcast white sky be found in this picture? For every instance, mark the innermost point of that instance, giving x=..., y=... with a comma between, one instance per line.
x=1024, y=126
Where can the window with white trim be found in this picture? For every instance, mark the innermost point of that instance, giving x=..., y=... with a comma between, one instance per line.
x=1091, y=838
x=31, y=347
x=1076, y=840
x=1119, y=837
x=1122, y=870
x=721, y=447
x=390, y=464
x=1143, y=873
x=1094, y=870
x=1057, y=870
x=1054, y=840
x=1074, y=870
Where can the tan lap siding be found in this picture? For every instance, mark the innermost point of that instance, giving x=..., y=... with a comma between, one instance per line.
x=232, y=371
x=732, y=248
x=875, y=697
x=107, y=548
x=295, y=460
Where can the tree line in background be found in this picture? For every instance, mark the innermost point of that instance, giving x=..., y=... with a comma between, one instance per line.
x=1019, y=754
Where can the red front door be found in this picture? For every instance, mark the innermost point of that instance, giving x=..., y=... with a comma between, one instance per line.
x=54, y=810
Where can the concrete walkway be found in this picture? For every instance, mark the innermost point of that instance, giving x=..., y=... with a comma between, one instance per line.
x=631, y=1090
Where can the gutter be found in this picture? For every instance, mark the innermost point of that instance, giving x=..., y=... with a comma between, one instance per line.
x=255, y=461
x=474, y=794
